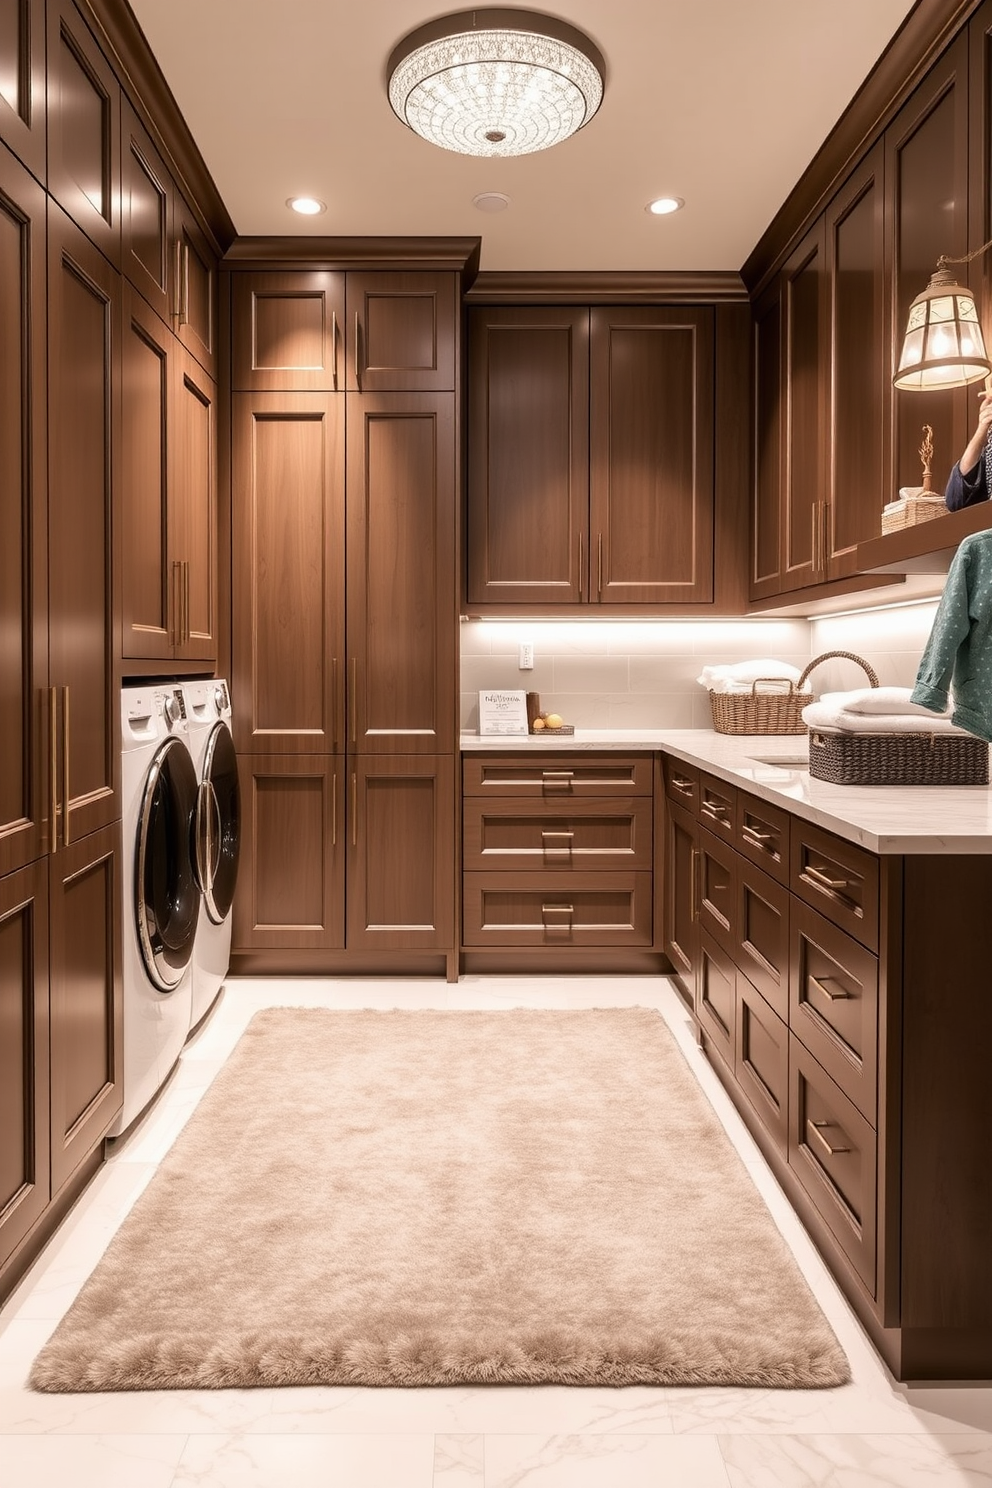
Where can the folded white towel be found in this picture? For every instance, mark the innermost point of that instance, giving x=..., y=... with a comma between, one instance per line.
x=739, y=676
x=877, y=700
x=824, y=715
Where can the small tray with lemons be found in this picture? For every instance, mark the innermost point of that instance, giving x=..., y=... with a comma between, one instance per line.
x=550, y=723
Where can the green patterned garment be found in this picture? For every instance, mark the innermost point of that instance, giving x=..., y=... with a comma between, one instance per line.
x=958, y=656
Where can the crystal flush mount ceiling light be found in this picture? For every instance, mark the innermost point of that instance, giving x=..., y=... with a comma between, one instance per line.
x=495, y=82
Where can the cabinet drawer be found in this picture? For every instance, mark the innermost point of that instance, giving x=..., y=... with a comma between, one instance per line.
x=681, y=782
x=717, y=802
x=761, y=834
x=832, y=1151
x=563, y=909
x=714, y=893
x=558, y=776
x=833, y=1000
x=541, y=835
x=761, y=934
x=837, y=878
x=716, y=997
x=761, y=1061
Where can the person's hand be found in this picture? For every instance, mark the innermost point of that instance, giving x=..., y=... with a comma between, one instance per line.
x=984, y=415
x=975, y=447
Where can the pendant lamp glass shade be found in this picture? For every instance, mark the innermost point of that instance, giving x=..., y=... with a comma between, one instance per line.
x=943, y=346
x=495, y=82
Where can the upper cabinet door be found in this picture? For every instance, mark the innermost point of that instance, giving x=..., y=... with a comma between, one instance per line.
x=287, y=520
x=805, y=361
x=84, y=129
x=194, y=286
x=402, y=587
x=23, y=540
x=149, y=589
x=651, y=456
x=84, y=412
x=528, y=455
x=926, y=173
x=287, y=332
x=401, y=331
x=22, y=81
x=146, y=214
x=193, y=506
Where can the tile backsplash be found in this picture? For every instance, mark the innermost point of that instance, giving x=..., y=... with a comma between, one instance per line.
x=642, y=674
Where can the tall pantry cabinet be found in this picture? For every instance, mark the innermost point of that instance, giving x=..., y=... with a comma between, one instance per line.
x=344, y=467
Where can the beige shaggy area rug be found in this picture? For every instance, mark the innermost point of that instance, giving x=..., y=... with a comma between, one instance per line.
x=440, y=1198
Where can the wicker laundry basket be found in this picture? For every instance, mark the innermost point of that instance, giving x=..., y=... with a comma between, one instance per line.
x=898, y=759
x=775, y=712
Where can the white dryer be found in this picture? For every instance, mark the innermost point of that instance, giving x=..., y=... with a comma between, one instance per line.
x=217, y=835
x=161, y=898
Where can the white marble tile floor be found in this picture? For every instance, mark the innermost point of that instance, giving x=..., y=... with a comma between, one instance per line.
x=873, y=1433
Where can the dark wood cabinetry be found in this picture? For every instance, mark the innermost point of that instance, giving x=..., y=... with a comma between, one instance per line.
x=558, y=854
x=591, y=456
x=22, y=88
x=819, y=985
x=84, y=129
x=344, y=534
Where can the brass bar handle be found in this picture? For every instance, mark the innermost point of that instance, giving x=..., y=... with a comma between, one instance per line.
x=599, y=568
x=334, y=350
x=358, y=351
x=178, y=302
x=813, y=1129
x=681, y=783
x=354, y=699
x=823, y=879
x=354, y=809
x=825, y=535
x=65, y=767
x=545, y=833
x=184, y=314
x=753, y=835
x=557, y=909
x=693, y=884
x=557, y=774
x=334, y=702
x=334, y=810
x=823, y=985
x=174, y=606
x=581, y=555
x=187, y=627
x=53, y=768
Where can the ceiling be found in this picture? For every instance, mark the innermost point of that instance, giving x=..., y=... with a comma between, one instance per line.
x=723, y=103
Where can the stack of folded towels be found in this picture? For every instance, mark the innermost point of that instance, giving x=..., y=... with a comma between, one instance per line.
x=875, y=710
x=740, y=676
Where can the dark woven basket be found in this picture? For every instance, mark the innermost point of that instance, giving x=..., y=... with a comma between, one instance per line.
x=775, y=712
x=898, y=759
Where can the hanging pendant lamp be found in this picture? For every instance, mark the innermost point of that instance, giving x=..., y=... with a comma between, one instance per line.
x=495, y=82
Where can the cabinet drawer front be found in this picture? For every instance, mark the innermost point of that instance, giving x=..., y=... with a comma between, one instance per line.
x=557, y=776
x=762, y=934
x=681, y=782
x=511, y=909
x=834, y=1004
x=832, y=1151
x=716, y=997
x=761, y=1061
x=837, y=878
x=715, y=890
x=761, y=834
x=536, y=835
x=716, y=805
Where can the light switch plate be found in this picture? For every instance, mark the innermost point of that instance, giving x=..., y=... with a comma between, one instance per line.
x=526, y=662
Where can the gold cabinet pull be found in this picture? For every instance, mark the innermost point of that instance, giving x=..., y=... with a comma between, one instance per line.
x=334, y=350
x=815, y=1129
x=581, y=584
x=358, y=351
x=353, y=700
x=824, y=985
x=683, y=784
x=184, y=312
x=599, y=568
x=334, y=702
x=178, y=300
x=545, y=833
x=693, y=885
x=564, y=844
x=822, y=879
x=65, y=767
x=174, y=606
x=53, y=768
x=334, y=810
x=354, y=810
x=718, y=809
x=557, y=774
x=557, y=909
x=753, y=835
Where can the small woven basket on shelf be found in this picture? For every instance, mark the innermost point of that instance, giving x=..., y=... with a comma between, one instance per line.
x=778, y=712
x=898, y=759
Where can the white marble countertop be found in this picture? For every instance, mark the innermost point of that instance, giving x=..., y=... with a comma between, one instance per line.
x=884, y=819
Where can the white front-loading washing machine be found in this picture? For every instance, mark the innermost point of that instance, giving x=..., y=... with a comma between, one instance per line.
x=161, y=898
x=217, y=835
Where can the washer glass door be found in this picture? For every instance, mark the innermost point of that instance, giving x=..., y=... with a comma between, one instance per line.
x=219, y=824
x=167, y=901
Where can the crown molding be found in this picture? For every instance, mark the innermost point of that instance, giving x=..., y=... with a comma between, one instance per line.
x=627, y=287
x=923, y=35
x=458, y=254
x=123, y=41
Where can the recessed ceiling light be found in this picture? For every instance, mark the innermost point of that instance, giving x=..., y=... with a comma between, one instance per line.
x=307, y=206
x=491, y=201
x=663, y=205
